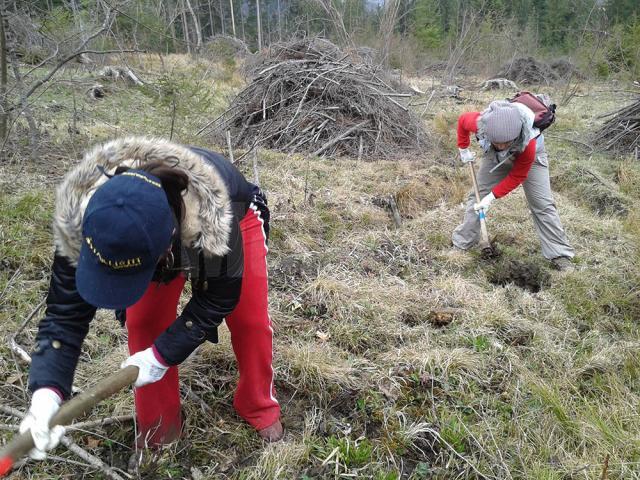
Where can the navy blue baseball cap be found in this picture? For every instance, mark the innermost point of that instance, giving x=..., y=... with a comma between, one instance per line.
x=127, y=227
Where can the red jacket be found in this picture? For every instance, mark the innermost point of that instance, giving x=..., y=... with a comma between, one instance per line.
x=468, y=123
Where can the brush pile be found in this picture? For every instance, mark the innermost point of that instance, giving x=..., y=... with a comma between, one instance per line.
x=309, y=96
x=621, y=133
x=528, y=71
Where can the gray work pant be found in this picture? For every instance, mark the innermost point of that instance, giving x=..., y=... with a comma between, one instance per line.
x=539, y=197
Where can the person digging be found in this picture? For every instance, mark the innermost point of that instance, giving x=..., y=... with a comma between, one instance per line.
x=514, y=154
x=133, y=220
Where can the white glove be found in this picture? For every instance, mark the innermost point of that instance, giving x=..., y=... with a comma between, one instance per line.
x=44, y=405
x=467, y=155
x=151, y=369
x=484, y=203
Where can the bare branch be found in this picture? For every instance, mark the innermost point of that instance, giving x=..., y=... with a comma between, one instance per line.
x=90, y=459
x=337, y=19
x=106, y=25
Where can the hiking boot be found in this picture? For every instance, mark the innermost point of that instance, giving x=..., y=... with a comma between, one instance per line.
x=455, y=248
x=563, y=264
x=272, y=433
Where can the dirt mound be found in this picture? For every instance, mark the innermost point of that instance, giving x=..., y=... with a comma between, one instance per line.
x=528, y=276
x=528, y=71
x=308, y=96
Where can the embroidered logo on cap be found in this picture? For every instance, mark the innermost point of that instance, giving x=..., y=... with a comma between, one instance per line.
x=142, y=177
x=114, y=264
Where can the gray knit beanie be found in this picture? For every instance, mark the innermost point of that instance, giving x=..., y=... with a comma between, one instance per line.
x=502, y=122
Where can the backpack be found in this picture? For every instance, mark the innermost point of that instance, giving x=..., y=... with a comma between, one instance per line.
x=544, y=111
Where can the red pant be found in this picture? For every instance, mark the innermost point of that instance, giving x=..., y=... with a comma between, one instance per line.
x=158, y=404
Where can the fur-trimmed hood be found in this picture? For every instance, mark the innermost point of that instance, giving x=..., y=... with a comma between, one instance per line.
x=208, y=213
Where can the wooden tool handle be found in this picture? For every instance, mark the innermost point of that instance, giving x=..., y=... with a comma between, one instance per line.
x=74, y=408
x=475, y=181
x=484, y=233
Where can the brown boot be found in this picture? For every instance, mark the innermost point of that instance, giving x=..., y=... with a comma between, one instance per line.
x=272, y=433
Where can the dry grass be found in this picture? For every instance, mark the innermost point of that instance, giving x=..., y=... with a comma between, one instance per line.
x=519, y=385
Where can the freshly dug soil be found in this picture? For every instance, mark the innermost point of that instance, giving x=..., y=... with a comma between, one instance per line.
x=527, y=276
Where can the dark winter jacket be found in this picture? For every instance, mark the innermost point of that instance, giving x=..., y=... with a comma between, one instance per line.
x=209, y=251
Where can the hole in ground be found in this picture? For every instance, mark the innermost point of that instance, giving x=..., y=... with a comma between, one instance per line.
x=527, y=276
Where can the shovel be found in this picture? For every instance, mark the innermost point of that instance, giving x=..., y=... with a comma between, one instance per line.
x=20, y=445
x=485, y=244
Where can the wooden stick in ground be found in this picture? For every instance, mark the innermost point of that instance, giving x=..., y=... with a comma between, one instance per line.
x=256, y=175
x=229, y=147
x=76, y=407
x=393, y=206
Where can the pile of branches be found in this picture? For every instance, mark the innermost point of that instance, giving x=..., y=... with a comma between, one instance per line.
x=308, y=96
x=621, y=133
x=528, y=71
x=315, y=48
